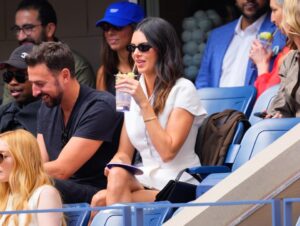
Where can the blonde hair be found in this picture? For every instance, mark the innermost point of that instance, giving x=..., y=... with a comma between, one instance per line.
x=291, y=17
x=27, y=174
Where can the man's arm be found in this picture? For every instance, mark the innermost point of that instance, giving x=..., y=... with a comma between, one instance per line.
x=74, y=155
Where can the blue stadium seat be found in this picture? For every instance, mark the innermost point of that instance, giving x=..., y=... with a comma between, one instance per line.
x=216, y=99
x=259, y=136
x=263, y=103
x=114, y=217
x=77, y=218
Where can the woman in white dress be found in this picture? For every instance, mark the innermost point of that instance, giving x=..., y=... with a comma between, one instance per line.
x=163, y=120
x=23, y=183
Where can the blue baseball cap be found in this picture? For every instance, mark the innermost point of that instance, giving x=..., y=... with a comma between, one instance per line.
x=121, y=14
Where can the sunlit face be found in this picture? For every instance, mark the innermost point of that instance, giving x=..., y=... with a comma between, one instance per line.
x=46, y=85
x=20, y=91
x=30, y=17
x=118, y=39
x=252, y=9
x=7, y=164
x=145, y=61
x=276, y=16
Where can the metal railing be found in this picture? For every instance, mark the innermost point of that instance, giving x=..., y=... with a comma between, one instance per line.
x=137, y=209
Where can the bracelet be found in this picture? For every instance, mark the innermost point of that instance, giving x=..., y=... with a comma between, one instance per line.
x=150, y=119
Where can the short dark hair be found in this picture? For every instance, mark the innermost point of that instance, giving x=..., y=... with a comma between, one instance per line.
x=46, y=11
x=55, y=55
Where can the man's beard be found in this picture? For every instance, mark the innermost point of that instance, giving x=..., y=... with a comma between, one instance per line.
x=43, y=38
x=259, y=12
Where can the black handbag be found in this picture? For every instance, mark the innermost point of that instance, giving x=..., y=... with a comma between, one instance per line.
x=177, y=191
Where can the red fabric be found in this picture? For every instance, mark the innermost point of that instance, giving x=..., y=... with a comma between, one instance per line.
x=266, y=80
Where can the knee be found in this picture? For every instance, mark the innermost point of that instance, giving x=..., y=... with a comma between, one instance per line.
x=99, y=199
x=118, y=178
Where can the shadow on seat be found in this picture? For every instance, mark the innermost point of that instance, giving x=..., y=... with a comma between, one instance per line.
x=77, y=218
x=216, y=99
x=114, y=217
x=263, y=103
x=255, y=140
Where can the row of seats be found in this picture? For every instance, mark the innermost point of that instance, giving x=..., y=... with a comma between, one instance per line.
x=260, y=135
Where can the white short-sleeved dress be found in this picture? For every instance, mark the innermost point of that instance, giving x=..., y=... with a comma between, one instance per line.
x=32, y=205
x=156, y=172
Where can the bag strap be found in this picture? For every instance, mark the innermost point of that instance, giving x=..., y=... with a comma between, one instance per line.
x=196, y=176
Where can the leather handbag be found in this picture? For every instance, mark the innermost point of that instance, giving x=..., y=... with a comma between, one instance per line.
x=177, y=191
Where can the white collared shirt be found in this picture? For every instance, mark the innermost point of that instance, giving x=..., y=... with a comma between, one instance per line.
x=157, y=173
x=236, y=58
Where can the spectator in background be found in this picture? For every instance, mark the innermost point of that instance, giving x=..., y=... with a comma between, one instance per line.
x=226, y=61
x=117, y=24
x=24, y=185
x=78, y=127
x=22, y=112
x=163, y=120
x=287, y=102
x=36, y=22
x=261, y=57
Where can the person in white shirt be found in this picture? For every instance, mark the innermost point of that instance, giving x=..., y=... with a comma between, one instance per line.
x=163, y=120
x=24, y=185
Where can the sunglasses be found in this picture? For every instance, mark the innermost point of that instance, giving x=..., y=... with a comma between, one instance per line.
x=20, y=76
x=143, y=47
x=106, y=27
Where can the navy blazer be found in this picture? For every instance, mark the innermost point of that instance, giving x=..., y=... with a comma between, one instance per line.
x=211, y=65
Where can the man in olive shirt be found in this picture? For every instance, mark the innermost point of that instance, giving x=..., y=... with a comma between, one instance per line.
x=36, y=22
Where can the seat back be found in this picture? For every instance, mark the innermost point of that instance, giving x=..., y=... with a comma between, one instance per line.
x=260, y=135
x=77, y=218
x=216, y=99
x=263, y=103
x=114, y=217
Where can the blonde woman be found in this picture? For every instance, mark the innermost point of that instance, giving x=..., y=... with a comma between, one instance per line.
x=23, y=183
x=287, y=102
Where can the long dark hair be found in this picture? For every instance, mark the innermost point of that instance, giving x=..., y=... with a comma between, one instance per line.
x=110, y=61
x=161, y=35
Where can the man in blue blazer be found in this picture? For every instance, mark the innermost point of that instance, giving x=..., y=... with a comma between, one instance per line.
x=221, y=38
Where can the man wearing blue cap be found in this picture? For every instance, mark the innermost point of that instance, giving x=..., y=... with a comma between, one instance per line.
x=22, y=112
x=117, y=24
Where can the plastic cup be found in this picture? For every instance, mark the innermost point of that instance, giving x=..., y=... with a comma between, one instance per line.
x=266, y=41
x=123, y=99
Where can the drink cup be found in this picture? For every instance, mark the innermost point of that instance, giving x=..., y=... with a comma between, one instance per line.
x=266, y=39
x=123, y=99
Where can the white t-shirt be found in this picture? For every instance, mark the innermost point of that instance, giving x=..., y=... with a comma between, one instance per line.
x=32, y=205
x=156, y=172
x=236, y=59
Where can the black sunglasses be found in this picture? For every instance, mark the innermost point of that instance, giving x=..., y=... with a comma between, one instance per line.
x=20, y=76
x=106, y=27
x=143, y=47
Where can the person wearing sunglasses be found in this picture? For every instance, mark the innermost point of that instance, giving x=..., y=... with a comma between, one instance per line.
x=22, y=112
x=24, y=185
x=36, y=22
x=117, y=25
x=163, y=120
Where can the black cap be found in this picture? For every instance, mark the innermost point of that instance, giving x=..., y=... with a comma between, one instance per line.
x=17, y=57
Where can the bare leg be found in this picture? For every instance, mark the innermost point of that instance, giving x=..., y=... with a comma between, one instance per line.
x=99, y=199
x=120, y=186
x=144, y=195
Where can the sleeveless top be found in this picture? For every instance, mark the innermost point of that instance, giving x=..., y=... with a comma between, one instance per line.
x=32, y=205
